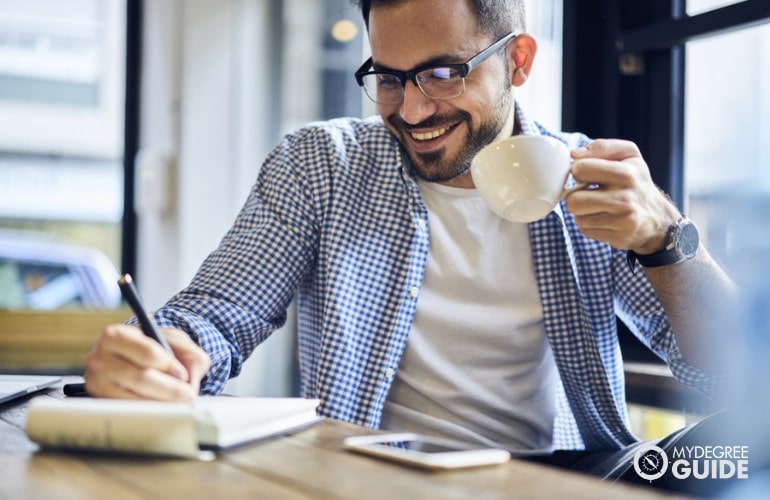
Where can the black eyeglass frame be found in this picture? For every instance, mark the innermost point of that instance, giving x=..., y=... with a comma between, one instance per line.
x=406, y=76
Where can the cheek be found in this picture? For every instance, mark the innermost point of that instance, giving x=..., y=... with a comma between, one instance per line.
x=487, y=89
x=387, y=111
x=487, y=102
x=477, y=108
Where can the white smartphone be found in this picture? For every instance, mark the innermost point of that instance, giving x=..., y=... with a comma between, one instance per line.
x=424, y=451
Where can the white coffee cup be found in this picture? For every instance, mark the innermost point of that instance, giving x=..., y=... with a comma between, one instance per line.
x=523, y=177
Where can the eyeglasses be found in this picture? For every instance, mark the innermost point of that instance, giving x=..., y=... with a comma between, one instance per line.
x=437, y=81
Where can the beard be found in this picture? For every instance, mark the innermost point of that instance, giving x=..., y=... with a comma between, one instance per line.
x=437, y=166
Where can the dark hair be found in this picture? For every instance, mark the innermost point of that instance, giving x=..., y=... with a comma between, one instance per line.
x=495, y=17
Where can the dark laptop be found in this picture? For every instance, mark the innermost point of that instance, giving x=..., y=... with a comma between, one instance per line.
x=18, y=386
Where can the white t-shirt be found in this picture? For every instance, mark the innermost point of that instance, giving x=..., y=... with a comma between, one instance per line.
x=477, y=366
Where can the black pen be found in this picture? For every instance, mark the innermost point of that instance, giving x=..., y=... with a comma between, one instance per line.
x=76, y=390
x=148, y=325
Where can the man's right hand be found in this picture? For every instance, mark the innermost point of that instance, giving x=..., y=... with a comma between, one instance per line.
x=124, y=363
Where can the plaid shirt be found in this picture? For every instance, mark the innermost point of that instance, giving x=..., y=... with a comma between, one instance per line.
x=336, y=219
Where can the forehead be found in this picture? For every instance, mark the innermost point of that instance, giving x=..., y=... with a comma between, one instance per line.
x=410, y=33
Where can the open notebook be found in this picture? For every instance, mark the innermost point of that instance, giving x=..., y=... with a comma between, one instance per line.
x=17, y=386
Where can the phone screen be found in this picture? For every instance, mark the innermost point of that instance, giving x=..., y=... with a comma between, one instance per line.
x=424, y=451
x=421, y=446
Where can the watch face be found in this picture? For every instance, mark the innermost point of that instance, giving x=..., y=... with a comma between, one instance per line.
x=687, y=240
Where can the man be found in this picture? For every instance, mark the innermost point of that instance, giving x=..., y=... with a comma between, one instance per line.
x=419, y=309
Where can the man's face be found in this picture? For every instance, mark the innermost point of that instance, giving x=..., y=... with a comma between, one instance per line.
x=441, y=137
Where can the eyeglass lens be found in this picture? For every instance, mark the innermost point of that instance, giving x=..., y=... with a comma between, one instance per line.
x=436, y=83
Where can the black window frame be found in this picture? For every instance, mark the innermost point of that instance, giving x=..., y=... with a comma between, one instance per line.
x=132, y=105
x=623, y=73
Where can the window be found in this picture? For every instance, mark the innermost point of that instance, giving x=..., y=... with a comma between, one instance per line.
x=727, y=123
x=62, y=74
x=700, y=6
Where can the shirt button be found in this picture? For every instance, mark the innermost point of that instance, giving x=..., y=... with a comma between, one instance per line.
x=414, y=292
x=421, y=225
x=390, y=373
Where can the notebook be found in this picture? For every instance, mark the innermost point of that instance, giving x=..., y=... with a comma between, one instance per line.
x=212, y=424
x=17, y=386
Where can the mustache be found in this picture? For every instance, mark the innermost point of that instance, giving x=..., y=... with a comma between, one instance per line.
x=431, y=122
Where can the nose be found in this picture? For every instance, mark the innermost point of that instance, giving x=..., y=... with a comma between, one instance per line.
x=416, y=106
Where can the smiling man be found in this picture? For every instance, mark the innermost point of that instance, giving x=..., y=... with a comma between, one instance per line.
x=419, y=308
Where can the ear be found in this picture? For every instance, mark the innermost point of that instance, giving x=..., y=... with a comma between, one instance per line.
x=521, y=55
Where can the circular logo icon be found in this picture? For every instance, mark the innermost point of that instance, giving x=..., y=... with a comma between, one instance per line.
x=650, y=462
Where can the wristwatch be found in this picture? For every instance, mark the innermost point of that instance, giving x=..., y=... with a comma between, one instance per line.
x=681, y=245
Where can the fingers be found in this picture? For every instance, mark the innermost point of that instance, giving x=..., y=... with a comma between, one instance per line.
x=608, y=149
x=602, y=172
x=124, y=363
x=605, y=198
x=130, y=343
x=193, y=358
x=610, y=162
x=624, y=217
x=625, y=209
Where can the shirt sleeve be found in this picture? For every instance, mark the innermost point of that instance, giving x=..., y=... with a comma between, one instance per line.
x=640, y=310
x=241, y=292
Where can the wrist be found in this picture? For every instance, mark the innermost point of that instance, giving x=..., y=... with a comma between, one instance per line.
x=680, y=244
x=654, y=244
x=661, y=235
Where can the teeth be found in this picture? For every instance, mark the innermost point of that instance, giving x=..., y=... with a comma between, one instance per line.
x=426, y=136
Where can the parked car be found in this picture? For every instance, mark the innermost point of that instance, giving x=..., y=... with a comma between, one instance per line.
x=41, y=272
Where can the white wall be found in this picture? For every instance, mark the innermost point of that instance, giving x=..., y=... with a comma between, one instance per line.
x=203, y=121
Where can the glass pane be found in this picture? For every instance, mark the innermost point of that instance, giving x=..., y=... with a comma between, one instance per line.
x=695, y=7
x=61, y=152
x=727, y=123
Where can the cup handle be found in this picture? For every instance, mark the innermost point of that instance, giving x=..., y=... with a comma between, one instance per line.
x=576, y=187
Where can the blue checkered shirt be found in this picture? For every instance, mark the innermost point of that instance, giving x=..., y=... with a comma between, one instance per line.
x=336, y=220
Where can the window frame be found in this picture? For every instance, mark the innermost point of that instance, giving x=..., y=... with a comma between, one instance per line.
x=635, y=52
x=131, y=133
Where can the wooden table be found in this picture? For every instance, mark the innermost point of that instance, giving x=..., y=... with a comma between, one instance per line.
x=310, y=465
